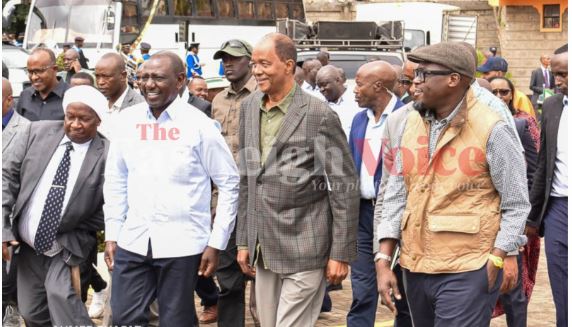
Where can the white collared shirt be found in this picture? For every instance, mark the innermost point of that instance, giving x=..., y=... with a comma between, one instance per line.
x=158, y=183
x=108, y=121
x=314, y=91
x=346, y=107
x=560, y=180
x=371, y=150
x=32, y=212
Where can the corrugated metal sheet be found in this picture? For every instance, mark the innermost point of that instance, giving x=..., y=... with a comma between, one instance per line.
x=460, y=28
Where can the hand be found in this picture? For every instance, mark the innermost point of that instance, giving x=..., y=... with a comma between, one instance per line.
x=209, y=262
x=510, y=274
x=244, y=262
x=109, y=254
x=5, y=251
x=386, y=285
x=531, y=231
x=76, y=66
x=492, y=273
x=336, y=271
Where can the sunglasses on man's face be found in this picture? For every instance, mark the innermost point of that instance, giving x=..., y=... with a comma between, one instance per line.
x=502, y=92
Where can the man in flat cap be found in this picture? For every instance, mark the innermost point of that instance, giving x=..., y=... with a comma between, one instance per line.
x=235, y=55
x=456, y=198
x=52, y=205
x=497, y=67
x=145, y=48
x=78, y=46
x=194, y=66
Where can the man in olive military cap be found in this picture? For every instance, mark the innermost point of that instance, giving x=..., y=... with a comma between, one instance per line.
x=235, y=55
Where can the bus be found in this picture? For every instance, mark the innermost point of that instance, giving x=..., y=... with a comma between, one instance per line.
x=165, y=24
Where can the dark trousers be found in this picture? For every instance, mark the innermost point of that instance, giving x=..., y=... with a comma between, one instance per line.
x=403, y=318
x=45, y=293
x=89, y=275
x=138, y=280
x=232, y=284
x=455, y=299
x=514, y=303
x=207, y=291
x=556, y=244
x=363, y=276
x=9, y=295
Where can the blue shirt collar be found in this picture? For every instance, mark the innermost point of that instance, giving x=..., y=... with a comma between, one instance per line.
x=6, y=119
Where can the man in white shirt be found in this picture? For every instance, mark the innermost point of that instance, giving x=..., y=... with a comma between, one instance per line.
x=52, y=205
x=330, y=82
x=549, y=193
x=157, y=200
x=311, y=68
x=111, y=79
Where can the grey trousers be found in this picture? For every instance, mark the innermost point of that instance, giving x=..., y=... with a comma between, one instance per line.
x=455, y=299
x=286, y=300
x=45, y=293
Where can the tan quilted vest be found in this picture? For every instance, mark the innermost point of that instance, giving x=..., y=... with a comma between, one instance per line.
x=452, y=214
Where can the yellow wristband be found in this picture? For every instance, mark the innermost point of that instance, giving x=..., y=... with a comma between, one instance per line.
x=497, y=261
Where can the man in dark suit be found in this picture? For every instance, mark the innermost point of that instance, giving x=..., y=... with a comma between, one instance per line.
x=198, y=92
x=541, y=79
x=78, y=46
x=298, y=199
x=549, y=194
x=374, y=81
x=52, y=203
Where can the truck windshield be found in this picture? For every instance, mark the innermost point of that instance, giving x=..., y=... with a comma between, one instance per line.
x=60, y=21
x=413, y=39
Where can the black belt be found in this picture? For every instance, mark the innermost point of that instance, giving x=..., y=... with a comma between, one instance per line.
x=370, y=201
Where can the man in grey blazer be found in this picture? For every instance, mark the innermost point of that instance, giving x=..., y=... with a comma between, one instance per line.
x=111, y=80
x=299, y=194
x=12, y=122
x=12, y=126
x=52, y=202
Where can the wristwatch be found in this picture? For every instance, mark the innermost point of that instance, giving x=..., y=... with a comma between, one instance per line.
x=497, y=261
x=379, y=256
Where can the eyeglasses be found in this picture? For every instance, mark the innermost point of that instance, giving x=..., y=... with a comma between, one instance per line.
x=39, y=71
x=422, y=74
x=235, y=44
x=502, y=92
x=560, y=74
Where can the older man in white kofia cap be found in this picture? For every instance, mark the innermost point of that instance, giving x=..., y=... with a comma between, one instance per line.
x=52, y=205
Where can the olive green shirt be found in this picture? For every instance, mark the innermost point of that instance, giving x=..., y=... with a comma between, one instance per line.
x=270, y=122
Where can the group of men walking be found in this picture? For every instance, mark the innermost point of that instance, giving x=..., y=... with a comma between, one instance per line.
x=283, y=185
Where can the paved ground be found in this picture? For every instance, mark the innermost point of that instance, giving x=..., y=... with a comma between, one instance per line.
x=540, y=310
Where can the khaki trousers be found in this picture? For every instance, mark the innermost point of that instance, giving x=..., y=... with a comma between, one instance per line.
x=286, y=300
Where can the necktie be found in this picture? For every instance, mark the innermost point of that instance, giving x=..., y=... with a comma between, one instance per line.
x=50, y=220
x=546, y=79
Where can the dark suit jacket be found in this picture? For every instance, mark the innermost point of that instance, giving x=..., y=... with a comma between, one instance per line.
x=357, y=137
x=285, y=203
x=530, y=153
x=200, y=104
x=542, y=185
x=20, y=175
x=536, y=81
